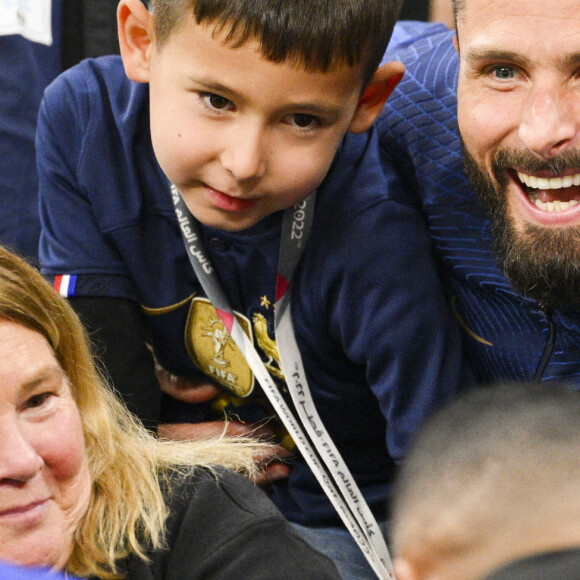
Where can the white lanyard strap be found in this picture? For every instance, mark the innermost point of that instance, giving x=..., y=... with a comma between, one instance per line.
x=347, y=499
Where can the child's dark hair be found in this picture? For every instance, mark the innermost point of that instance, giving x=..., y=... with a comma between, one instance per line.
x=316, y=34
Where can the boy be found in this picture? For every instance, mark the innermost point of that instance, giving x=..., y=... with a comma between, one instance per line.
x=492, y=481
x=242, y=105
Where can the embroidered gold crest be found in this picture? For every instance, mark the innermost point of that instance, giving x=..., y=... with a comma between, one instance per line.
x=268, y=346
x=213, y=350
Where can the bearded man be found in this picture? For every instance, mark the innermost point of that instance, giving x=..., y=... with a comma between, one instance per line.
x=502, y=98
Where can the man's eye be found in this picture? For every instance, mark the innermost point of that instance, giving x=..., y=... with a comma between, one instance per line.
x=504, y=73
x=303, y=120
x=216, y=102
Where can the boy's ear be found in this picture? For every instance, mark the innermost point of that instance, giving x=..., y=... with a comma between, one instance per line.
x=375, y=95
x=134, y=23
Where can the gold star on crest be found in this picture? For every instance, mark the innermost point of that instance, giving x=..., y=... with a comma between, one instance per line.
x=264, y=302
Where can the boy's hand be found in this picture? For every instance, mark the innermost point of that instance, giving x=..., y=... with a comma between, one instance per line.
x=200, y=389
x=274, y=467
x=197, y=389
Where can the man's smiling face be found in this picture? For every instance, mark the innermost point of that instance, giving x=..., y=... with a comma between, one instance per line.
x=519, y=117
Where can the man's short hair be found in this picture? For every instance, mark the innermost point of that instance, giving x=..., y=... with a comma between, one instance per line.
x=316, y=34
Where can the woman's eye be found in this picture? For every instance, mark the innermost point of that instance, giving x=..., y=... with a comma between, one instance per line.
x=303, y=120
x=38, y=400
x=216, y=102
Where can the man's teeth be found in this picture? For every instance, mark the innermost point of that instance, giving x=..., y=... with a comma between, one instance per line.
x=551, y=205
x=547, y=183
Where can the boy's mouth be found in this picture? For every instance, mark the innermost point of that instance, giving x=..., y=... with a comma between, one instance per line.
x=227, y=202
x=555, y=193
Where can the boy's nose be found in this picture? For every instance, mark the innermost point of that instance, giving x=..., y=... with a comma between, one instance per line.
x=245, y=153
x=19, y=461
x=548, y=124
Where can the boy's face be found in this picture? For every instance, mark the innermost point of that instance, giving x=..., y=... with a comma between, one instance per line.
x=240, y=136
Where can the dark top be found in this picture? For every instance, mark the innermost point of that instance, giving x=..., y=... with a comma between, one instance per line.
x=80, y=29
x=26, y=68
x=224, y=527
x=559, y=565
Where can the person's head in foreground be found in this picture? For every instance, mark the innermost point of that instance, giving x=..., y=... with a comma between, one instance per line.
x=519, y=118
x=80, y=479
x=490, y=479
x=250, y=99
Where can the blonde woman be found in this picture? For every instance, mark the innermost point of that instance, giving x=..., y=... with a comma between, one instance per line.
x=85, y=489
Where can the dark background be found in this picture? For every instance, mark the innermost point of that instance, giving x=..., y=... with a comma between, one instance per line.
x=415, y=10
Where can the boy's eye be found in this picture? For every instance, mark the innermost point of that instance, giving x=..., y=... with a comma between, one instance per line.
x=303, y=120
x=216, y=101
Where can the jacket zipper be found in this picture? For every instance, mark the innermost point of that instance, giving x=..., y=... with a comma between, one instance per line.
x=549, y=348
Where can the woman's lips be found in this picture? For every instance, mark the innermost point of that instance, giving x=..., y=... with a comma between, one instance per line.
x=23, y=510
x=227, y=202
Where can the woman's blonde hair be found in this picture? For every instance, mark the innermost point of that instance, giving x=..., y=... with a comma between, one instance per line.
x=128, y=465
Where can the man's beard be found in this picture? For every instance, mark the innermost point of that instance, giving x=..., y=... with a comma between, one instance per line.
x=541, y=263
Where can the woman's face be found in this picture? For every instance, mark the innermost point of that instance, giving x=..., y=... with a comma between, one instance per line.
x=45, y=485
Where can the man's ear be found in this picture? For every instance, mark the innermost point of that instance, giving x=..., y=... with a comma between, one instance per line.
x=134, y=24
x=375, y=95
x=404, y=570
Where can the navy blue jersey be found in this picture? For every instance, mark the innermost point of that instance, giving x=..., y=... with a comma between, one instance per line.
x=379, y=347
x=505, y=335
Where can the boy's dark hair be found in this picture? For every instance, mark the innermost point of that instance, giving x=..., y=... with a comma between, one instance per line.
x=316, y=34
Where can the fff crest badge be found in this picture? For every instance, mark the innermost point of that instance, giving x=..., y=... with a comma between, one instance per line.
x=213, y=350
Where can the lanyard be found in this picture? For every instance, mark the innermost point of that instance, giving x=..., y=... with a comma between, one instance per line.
x=335, y=479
